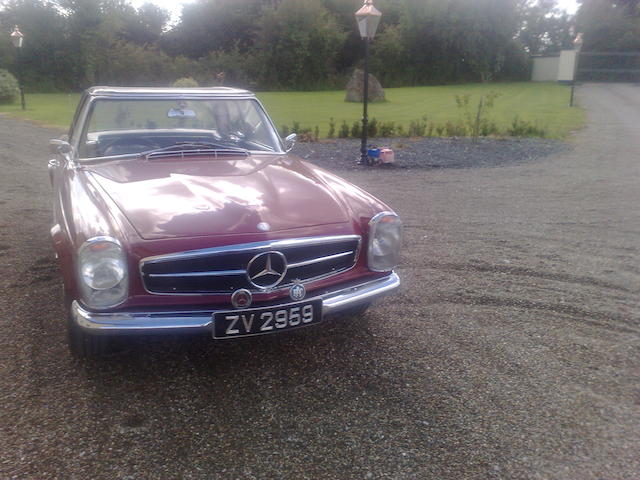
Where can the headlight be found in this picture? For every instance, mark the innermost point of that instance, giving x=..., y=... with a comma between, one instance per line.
x=102, y=272
x=385, y=239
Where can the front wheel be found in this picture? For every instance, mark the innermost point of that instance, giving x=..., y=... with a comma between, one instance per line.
x=83, y=345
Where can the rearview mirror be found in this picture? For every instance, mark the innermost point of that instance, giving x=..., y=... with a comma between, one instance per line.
x=290, y=142
x=175, y=113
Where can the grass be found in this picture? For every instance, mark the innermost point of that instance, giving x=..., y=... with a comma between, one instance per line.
x=541, y=104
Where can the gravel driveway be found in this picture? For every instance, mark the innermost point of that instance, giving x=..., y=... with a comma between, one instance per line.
x=511, y=352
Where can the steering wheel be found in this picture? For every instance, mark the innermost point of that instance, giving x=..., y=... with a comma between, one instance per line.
x=123, y=146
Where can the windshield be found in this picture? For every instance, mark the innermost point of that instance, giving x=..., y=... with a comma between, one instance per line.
x=130, y=126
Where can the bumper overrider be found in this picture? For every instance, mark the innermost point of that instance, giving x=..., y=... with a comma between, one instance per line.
x=334, y=302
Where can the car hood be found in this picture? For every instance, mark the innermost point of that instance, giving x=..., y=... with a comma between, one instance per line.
x=169, y=198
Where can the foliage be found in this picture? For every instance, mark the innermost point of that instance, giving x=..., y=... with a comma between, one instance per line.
x=475, y=121
x=356, y=129
x=344, y=130
x=289, y=44
x=8, y=87
x=332, y=128
x=544, y=28
x=185, y=82
x=521, y=128
x=298, y=42
x=372, y=127
x=387, y=129
x=417, y=128
x=609, y=25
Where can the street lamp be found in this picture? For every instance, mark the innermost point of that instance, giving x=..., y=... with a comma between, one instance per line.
x=577, y=46
x=368, y=18
x=17, y=38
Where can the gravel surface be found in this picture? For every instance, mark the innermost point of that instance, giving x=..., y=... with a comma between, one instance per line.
x=341, y=154
x=511, y=352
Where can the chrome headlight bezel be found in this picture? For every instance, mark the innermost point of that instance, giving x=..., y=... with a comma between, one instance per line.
x=102, y=257
x=385, y=227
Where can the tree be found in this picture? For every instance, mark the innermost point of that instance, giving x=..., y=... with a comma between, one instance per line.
x=296, y=45
x=544, y=28
x=44, y=61
x=609, y=25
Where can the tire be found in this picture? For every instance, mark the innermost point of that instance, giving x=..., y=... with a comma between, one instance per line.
x=83, y=345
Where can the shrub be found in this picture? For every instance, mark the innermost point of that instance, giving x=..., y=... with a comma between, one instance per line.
x=316, y=133
x=417, y=128
x=284, y=131
x=454, y=129
x=306, y=135
x=332, y=128
x=9, y=90
x=387, y=129
x=522, y=128
x=476, y=122
x=186, y=82
x=344, y=130
x=356, y=130
x=296, y=127
x=489, y=128
x=372, y=127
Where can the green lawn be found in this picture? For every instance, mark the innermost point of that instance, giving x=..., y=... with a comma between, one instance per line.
x=542, y=104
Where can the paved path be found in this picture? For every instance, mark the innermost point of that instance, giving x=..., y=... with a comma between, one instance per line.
x=513, y=350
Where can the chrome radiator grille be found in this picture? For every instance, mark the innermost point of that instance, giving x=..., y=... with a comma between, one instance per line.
x=224, y=270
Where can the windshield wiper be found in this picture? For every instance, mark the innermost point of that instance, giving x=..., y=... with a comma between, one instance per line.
x=194, y=148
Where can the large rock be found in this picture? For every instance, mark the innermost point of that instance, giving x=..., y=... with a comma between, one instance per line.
x=355, y=88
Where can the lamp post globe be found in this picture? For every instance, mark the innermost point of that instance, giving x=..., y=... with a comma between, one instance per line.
x=17, y=38
x=368, y=19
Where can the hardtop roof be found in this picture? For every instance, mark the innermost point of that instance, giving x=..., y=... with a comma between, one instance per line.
x=167, y=91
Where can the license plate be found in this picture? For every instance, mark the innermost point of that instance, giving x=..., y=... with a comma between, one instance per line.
x=260, y=321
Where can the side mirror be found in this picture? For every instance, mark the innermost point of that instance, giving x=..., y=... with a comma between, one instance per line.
x=290, y=142
x=59, y=146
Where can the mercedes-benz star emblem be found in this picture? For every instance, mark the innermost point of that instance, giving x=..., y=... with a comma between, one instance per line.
x=266, y=270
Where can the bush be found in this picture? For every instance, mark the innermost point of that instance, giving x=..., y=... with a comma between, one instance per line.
x=9, y=90
x=475, y=121
x=356, y=130
x=387, y=129
x=417, y=128
x=332, y=128
x=306, y=135
x=522, y=128
x=372, y=128
x=186, y=82
x=344, y=130
x=455, y=129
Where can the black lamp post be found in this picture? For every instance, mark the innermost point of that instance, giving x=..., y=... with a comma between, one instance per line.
x=368, y=18
x=17, y=38
x=577, y=46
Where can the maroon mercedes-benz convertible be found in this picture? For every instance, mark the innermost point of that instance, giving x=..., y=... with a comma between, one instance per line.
x=181, y=210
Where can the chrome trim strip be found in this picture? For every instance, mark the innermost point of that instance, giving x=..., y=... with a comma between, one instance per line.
x=247, y=247
x=216, y=273
x=320, y=259
x=122, y=323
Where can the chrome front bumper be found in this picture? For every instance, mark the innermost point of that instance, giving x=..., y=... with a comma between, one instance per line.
x=121, y=323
